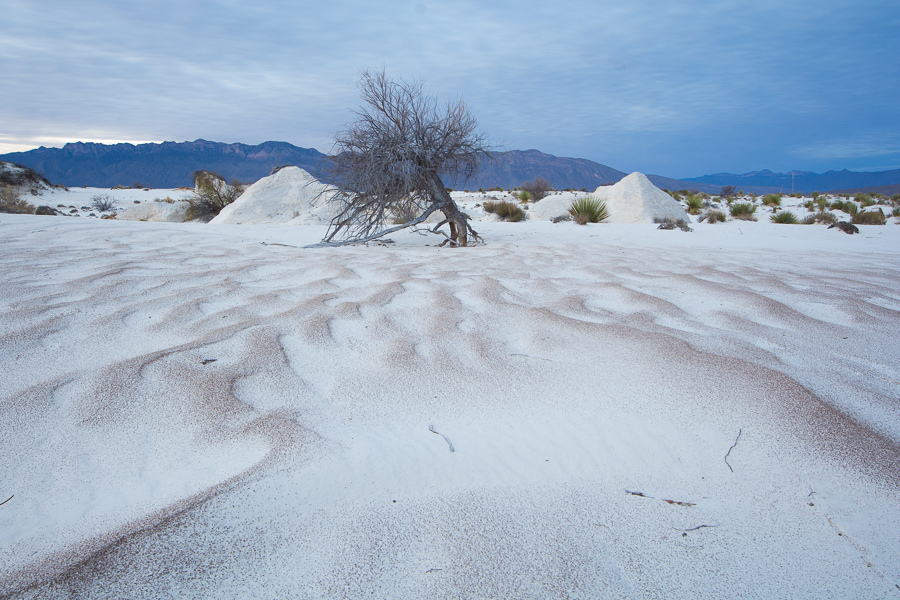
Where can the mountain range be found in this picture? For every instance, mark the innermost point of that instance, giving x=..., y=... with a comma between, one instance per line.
x=172, y=164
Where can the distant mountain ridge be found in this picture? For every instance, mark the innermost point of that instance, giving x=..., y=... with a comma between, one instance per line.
x=171, y=164
x=803, y=181
x=162, y=165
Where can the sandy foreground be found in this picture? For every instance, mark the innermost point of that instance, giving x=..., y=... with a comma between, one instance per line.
x=203, y=411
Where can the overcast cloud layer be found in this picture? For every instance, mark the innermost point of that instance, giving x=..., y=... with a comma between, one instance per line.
x=678, y=89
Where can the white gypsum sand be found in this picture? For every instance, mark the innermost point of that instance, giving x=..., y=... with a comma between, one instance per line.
x=212, y=411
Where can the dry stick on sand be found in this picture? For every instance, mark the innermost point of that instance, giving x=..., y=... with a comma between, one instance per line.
x=449, y=443
x=732, y=448
x=7, y=500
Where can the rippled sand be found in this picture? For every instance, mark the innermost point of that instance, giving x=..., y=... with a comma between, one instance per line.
x=203, y=411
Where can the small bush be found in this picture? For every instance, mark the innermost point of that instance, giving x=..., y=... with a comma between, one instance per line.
x=561, y=219
x=103, y=202
x=589, y=209
x=743, y=210
x=808, y=220
x=810, y=205
x=896, y=212
x=826, y=218
x=869, y=217
x=715, y=216
x=211, y=194
x=505, y=210
x=670, y=223
x=728, y=191
x=772, y=200
x=846, y=206
x=524, y=196
x=694, y=204
x=538, y=189
x=785, y=217
x=11, y=202
x=864, y=200
x=822, y=203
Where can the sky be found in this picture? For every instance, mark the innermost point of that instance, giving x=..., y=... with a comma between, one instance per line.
x=680, y=89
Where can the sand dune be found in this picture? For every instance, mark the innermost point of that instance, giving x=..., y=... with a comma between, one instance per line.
x=213, y=411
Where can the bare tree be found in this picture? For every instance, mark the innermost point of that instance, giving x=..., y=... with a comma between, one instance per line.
x=391, y=158
x=538, y=189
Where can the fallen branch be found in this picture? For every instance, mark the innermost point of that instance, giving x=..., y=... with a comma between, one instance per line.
x=732, y=448
x=7, y=500
x=431, y=429
x=679, y=503
x=641, y=494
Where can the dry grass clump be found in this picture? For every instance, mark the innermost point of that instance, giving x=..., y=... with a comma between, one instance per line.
x=589, y=209
x=505, y=210
x=785, y=217
x=103, y=202
x=772, y=200
x=743, y=211
x=11, y=202
x=714, y=216
x=670, y=223
x=869, y=217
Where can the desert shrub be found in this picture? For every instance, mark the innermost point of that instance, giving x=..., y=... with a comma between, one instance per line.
x=674, y=194
x=822, y=203
x=211, y=194
x=785, y=217
x=847, y=206
x=826, y=218
x=671, y=223
x=561, y=218
x=864, y=200
x=589, y=209
x=728, y=191
x=505, y=210
x=46, y=210
x=524, y=196
x=694, y=204
x=743, y=210
x=103, y=202
x=895, y=199
x=869, y=217
x=11, y=202
x=538, y=189
x=715, y=216
x=808, y=220
x=896, y=212
x=816, y=195
x=772, y=200
x=810, y=205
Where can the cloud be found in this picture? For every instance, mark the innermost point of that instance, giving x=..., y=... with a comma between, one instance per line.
x=703, y=79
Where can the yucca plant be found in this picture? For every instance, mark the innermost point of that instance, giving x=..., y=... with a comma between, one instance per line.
x=743, y=210
x=772, y=200
x=589, y=209
x=785, y=217
x=694, y=204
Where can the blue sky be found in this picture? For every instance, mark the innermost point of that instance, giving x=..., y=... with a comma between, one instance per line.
x=673, y=88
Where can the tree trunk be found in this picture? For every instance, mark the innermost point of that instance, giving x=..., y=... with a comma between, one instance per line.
x=459, y=224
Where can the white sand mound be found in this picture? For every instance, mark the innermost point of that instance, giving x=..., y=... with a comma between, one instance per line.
x=175, y=212
x=290, y=196
x=635, y=200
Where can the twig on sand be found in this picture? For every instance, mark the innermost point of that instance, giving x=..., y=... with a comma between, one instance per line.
x=530, y=356
x=732, y=448
x=277, y=244
x=695, y=528
x=641, y=494
x=206, y=361
x=7, y=500
x=449, y=443
x=433, y=570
